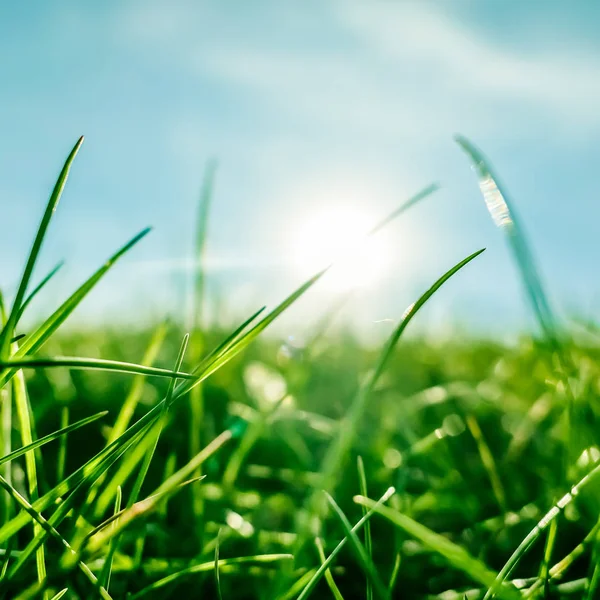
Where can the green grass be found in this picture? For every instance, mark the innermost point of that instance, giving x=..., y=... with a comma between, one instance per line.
x=418, y=470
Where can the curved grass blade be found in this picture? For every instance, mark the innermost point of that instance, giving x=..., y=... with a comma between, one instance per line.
x=505, y=217
x=11, y=322
x=38, y=289
x=454, y=554
x=535, y=533
x=206, y=567
x=363, y=557
x=310, y=586
x=96, y=364
x=340, y=446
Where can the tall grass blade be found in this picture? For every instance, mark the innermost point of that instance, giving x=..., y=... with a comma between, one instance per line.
x=332, y=464
x=7, y=331
x=335, y=591
x=505, y=217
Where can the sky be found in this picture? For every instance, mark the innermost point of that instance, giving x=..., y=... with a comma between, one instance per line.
x=310, y=108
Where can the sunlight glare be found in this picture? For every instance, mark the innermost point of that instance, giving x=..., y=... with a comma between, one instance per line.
x=338, y=236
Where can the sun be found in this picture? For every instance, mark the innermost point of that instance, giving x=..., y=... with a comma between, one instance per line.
x=338, y=236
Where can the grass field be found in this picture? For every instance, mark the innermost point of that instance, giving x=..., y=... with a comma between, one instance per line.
x=210, y=464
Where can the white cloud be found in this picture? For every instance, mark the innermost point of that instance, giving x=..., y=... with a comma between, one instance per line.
x=466, y=64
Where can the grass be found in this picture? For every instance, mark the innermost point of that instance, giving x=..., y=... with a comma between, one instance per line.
x=423, y=470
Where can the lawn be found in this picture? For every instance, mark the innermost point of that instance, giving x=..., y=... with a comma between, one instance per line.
x=167, y=463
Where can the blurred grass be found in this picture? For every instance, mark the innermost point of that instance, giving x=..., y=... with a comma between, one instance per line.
x=430, y=393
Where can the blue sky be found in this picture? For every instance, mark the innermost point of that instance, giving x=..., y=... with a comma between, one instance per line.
x=304, y=104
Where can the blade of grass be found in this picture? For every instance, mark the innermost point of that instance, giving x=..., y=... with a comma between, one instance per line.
x=454, y=554
x=332, y=464
x=362, y=481
x=335, y=591
x=60, y=594
x=207, y=567
x=24, y=418
x=395, y=572
x=62, y=449
x=505, y=217
x=137, y=387
x=541, y=526
x=98, y=364
x=549, y=545
x=51, y=437
x=594, y=582
x=38, y=289
x=37, y=338
x=487, y=459
x=217, y=576
x=291, y=593
x=311, y=584
x=365, y=562
x=104, y=579
x=7, y=331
